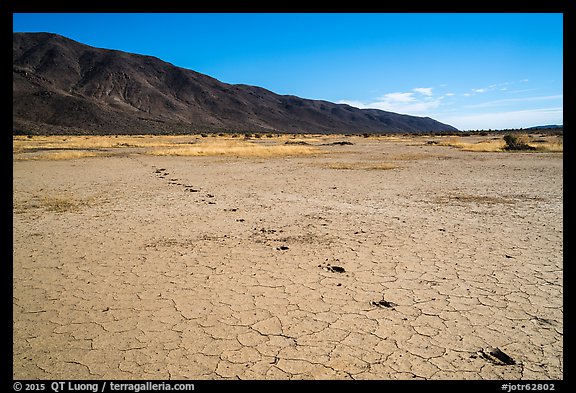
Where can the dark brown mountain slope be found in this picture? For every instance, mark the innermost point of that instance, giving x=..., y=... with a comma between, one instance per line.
x=62, y=86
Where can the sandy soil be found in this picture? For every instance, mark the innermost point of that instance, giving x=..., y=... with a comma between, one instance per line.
x=327, y=267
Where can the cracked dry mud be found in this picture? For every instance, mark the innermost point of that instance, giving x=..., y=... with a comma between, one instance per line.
x=140, y=278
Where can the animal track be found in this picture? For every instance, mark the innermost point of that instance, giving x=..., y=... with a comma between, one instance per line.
x=162, y=173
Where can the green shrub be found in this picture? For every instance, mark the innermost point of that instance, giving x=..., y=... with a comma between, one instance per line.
x=513, y=142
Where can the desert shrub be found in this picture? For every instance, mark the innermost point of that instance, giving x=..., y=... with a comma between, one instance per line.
x=513, y=142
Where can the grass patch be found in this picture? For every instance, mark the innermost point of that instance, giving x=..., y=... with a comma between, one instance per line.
x=490, y=145
x=510, y=142
x=302, y=138
x=550, y=147
x=70, y=147
x=51, y=142
x=551, y=143
x=60, y=204
x=61, y=155
x=236, y=148
x=53, y=203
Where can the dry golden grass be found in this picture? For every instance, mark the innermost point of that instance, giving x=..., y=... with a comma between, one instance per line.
x=302, y=138
x=21, y=143
x=550, y=147
x=489, y=145
x=63, y=155
x=235, y=148
x=70, y=147
x=393, y=138
x=550, y=144
x=54, y=203
x=60, y=203
x=73, y=147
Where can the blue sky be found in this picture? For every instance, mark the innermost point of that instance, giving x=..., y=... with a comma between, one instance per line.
x=470, y=70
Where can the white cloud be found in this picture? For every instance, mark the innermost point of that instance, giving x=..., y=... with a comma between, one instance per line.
x=502, y=86
x=401, y=102
x=417, y=102
x=397, y=97
x=495, y=85
x=513, y=100
x=415, y=108
x=505, y=120
x=427, y=91
x=449, y=108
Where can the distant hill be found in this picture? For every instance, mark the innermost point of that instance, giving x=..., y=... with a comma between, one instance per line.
x=62, y=86
x=546, y=127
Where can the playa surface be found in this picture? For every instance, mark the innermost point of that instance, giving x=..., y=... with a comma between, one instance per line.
x=391, y=258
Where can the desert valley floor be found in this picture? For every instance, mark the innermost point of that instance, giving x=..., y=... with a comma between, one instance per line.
x=386, y=258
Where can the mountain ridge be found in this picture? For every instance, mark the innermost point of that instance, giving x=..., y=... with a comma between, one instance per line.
x=546, y=127
x=63, y=86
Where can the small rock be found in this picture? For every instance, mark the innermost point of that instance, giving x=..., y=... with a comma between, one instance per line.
x=282, y=248
x=496, y=356
x=383, y=303
x=336, y=269
x=503, y=357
